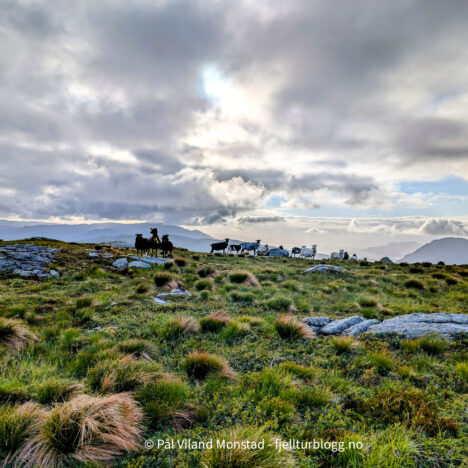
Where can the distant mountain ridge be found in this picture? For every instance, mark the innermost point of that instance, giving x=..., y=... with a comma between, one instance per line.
x=450, y=250
x=394, y=249
x=194, y=240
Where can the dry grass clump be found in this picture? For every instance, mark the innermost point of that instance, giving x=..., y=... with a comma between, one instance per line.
x=84, y=429
x=55, y=389
x=244, y=277
x=180, y=261
x=17, y=425
x=179, y=327
x=214, y=322
x=236, y=455
x=161, y=278
x=14, y=335
x=290, y=328
x=119, y=375
x=199, y=364
x=342, y=344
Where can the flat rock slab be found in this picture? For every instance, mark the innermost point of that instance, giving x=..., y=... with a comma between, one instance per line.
x=152, y=260
x=159, y=301
x=325, y=268
x=139, y=264
x=360, y=327
x=176, y=292
x=317, y=321
x=338, y=326
x=414, y=325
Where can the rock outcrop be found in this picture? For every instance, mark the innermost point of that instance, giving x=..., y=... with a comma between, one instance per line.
x=27, y=260
x=322, y=268
x=407, y=326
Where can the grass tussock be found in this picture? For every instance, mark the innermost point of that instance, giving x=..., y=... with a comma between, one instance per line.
x=414, y=284
x=84, y=429
x=290, y=328
x=238, y=456
x=179, y=327
x=244, y=277
x=14, y=335
x=161, y=278
x=214, y=322
x=342, y=344
x=199, y=365
x=180, y=261
x=55, y=390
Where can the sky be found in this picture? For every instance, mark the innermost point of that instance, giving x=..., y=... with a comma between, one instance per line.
x=342, y=123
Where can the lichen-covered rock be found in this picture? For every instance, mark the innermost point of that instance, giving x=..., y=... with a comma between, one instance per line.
x=414, y=325
x=360, y=327
x=26, y=260
x=316, y=321
x=338, y=326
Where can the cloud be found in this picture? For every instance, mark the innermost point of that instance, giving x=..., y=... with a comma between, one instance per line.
x=438, y=227
x=104, y=110
x=260, y=219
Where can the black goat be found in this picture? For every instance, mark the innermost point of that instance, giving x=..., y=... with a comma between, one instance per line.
x=141, y=244
x=295, y=251
x=166, y=246
x=153, y=242
x=234, y=248
x=220, y=246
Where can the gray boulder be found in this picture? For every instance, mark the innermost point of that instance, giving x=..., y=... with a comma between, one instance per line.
x=120, y=263
x=316, y=321
x=54, y=274
x=338, y=326
x=159, y=301
x=414, y=325
x=360, y=327
x=93, y=255
x=322, y=268
x=139, y=264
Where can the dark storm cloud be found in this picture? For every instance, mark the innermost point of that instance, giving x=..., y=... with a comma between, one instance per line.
x=80, y=82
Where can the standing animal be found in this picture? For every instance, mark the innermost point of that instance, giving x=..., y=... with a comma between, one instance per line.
x=219, y=246
x=346, y=256
x=309, y=253
x=296, y=251
x=234, y=248
x=166, y=246
x=354, y=257
x=250, y=246
x=141, y=244
x=337, y=255
x=153, y=242
x=263, y=249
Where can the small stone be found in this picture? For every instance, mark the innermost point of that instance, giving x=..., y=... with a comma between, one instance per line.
x=54, y=274
x=120, y=263
x=317, y=321
x=93, y=255
x=160, y=301
x=338, y=326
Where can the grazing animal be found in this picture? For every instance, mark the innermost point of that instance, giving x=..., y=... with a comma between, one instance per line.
x=263, y=250
x=250, y=246
x=296, y=251
x=346, y=256
x=219, y=246
x=354, y=257
x=309, y=253
x=141, y=244
x=166, y=246
x=235, y=248
x=153, y=242
x=337, y=255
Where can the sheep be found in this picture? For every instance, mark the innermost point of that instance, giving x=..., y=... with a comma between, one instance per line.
x=296, y=251
x=141, y=244
x=235, y=248
x=250, y=246
x=263, y=249
x=337, y=255
x=166, y=246
x=153, y=242
x=354, y=257
x=309, y=253
x=219, y=246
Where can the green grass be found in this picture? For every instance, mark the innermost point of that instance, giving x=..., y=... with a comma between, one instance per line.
x=229, y=362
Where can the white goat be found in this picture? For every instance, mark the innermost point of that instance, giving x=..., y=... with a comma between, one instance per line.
x=309, y=253
x=337, y=255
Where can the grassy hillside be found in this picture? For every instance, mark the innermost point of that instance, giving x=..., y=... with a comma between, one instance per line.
x=228, y=363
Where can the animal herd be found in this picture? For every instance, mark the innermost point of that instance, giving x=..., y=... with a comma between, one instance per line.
x=151, y=245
